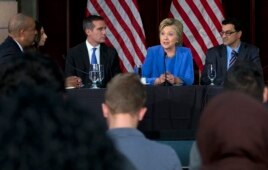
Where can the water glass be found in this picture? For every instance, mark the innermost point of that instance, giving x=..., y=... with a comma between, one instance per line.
x=94, y=75
x=211, y=71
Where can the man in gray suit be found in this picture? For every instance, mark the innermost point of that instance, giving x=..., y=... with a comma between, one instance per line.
x=231, y=51
x=124, y=108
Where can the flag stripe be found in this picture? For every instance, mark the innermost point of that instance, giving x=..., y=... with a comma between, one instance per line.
x=211, y=24
x=128, y=29
x=100, y=7
x=124, y=29
x=137, y=24
x=212, y=11
x=202, y=24
x=197, y=59
x=194, y=45
x=187, y=20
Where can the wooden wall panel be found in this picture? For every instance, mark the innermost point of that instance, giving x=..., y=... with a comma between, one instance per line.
x=52, y=14
x=262, y=33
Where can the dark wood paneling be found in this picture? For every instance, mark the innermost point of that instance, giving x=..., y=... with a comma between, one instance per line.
x=52, y=14
x=262, y=34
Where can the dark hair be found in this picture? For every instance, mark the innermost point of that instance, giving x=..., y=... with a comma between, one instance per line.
x=247, y=78
x=30, y=70
x=40, y=131
x=237, y=24
x=88, y=21
x=38, y=27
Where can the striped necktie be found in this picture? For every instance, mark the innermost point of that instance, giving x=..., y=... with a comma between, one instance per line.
x=233, y=58
x=93, y=56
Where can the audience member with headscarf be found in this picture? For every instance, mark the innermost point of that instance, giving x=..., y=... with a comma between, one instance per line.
x=233, y=133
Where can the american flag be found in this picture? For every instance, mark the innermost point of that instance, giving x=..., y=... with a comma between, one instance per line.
x=124, y=29
x=202, y=23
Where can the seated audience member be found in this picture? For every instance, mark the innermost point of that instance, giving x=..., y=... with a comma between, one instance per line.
x=233, y=133
x=92, y=51
x=243, y=77
x=123, y=108
x=247, y=78
x=232, y=50
x=21, y=33
x=169, y=63
x=41, y=131
x=32, y=69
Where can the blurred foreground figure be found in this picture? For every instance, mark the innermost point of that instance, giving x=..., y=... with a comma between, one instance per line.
x=41, y=131
x=233, y=134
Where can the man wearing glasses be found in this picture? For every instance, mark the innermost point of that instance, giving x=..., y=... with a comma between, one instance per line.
x=230, y=52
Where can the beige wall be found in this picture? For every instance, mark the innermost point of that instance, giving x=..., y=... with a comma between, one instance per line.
x=7, y=10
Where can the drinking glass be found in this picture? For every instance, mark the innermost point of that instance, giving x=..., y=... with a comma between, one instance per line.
x=211, y=73
x=94, y=75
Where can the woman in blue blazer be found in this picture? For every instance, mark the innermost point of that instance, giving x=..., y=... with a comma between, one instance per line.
x=169, y=62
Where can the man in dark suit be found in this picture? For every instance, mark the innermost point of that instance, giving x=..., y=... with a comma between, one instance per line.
x=21, y=34
x=231, y=51
x=80, y=57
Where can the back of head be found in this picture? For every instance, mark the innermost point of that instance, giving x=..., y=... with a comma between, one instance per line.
x=30, y=70
x=18, y=22
x=39, y=130
x=88, y=21
x=233, y=133
x=125, y=94
x=247, y=78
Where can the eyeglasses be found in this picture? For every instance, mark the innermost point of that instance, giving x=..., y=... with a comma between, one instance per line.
x=227, y=33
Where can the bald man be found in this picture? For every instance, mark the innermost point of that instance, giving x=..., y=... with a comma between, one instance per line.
x=21, y=33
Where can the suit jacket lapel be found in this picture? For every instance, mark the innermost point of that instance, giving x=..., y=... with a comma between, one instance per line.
x=85, y=57
x=102, y=54
x=241, y=52
x=223, y=55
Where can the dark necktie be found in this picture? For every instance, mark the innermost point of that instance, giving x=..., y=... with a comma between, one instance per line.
x=233, y=58
x=93, y=56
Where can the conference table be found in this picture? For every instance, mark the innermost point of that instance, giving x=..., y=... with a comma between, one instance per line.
x=172, y=113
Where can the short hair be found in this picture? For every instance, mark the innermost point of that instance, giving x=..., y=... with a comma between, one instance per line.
x=88, y=21
x=237, y=24
x=18, y=22
x=40, y=130
x=245, y=77
x=32, y=69
x=125, y=94
x=178, y=27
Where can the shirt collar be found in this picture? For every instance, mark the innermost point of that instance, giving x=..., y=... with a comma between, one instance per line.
x=236, y=49
x=18, y=45
x=89, y=46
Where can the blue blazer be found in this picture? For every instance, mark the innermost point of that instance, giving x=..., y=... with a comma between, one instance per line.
x=181, y=67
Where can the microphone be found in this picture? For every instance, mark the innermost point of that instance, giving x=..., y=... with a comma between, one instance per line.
x=73, y=67
x=165, y=83
x=165, y=68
